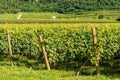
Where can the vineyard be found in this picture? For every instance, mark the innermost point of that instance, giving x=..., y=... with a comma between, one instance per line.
x=64, y=42
x=59, y=40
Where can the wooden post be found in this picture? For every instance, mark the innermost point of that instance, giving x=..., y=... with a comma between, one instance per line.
x=96, y=51
x=44, y=52
x=9, y=47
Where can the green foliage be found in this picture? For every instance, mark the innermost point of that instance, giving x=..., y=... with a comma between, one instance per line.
x=2, y=11
x=63, y=44
x=100, y=16
x=118, y=19
x=80, y=12
x=61, y=6
x=15, y=11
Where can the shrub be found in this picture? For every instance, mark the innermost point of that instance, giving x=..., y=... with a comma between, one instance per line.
x=108, y=17
x=100, y=16
x=15, y=11
x=80, y=12
x=118, y=19
x=2, y=11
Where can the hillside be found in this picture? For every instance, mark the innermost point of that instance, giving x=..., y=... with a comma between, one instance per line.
x=61, y=6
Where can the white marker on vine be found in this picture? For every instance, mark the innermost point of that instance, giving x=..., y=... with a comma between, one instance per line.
x=54, y=17
x=19, y=16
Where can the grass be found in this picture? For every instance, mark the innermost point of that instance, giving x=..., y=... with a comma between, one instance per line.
x=23, y=72
x=109, y=16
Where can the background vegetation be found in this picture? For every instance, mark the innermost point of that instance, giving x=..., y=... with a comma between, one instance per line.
x=61, y=6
